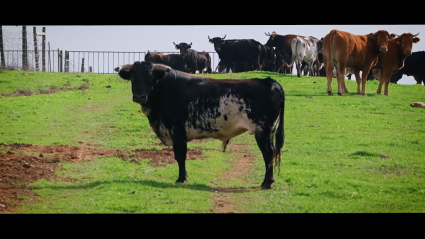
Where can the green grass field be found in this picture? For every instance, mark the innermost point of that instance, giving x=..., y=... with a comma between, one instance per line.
x=343, y=154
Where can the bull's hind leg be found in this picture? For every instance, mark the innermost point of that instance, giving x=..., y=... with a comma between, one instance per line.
x=264, y=141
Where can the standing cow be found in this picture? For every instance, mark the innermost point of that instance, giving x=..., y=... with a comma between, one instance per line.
x=305, y=49
x=175, y=61
x=360, y=52
x=244, y=51
x=194, y=60
x=413, y=66
x=181, y=107
x=282, y=44
x=399, y=49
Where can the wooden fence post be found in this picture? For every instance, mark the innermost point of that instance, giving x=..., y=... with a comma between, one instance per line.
x=3, y=63
x=43, y=50
x=35, y=48
x=60, y=69
x=82, y=65
x=90, y=69
x=24, y=48
x=66, y=61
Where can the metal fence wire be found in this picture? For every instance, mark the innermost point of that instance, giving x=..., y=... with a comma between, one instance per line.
x=102, y=62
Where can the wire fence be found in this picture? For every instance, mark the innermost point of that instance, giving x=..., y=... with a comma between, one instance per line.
x=102, y=62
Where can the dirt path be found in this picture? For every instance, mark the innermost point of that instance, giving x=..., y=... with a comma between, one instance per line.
x=224, y=202
x=23, y=164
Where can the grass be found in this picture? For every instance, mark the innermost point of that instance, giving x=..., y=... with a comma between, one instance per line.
x=343, y=154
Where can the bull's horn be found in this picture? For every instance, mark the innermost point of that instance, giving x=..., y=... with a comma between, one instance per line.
x=161, y=67
x=209, y=38
x=174, y=43
x=190, y=44
x=124, y=68
x=223, y=37
x=416, y=34
x=267, y=34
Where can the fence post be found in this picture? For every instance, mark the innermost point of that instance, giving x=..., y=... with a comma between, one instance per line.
x=43, y=50
x=66, y=61
x=82, y=65
x=35, y=48
x=3, y=63
x=60, y=61
x=90, y=69
x=24, y=48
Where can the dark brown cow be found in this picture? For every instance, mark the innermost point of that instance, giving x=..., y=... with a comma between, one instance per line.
x=389, y=63
x=282, y=44
x=360, y=52
x=175, y=61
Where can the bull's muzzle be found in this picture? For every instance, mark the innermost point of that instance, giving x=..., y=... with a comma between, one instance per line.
x=408, y=52
x=384, y=49
x=141, y=99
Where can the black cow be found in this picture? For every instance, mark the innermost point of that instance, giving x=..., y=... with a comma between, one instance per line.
x=414, y=65
x=270, y=60
x=194, y=60
x=238, y=50
x=175, y=61
x=181, y=107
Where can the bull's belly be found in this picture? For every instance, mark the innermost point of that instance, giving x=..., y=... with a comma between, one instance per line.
x=220, y=128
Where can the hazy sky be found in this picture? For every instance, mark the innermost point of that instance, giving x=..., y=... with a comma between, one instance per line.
x=136, y=38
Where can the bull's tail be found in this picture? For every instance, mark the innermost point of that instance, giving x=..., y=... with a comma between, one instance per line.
x=280, y=135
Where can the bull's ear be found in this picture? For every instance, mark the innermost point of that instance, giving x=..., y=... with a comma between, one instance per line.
x=177, y=47
x=124, y=74
x=392, y=36
x=416, y=39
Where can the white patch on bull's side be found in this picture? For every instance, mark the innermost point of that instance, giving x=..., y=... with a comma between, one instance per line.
x=165, y=135
x=236, y=122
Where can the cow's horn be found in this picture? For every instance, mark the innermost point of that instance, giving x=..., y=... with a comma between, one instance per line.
x=190, y=44
x=223, y=37
x=124, y=68
x=174, y=43
x=416, y=34
x=161, y=67
x=267, y=34
x=209, y=37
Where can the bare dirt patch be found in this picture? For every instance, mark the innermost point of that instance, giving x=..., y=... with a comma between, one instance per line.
x=23, y=164
x=223, y=201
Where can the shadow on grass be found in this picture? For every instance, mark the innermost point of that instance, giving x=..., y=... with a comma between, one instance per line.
x=148, y=183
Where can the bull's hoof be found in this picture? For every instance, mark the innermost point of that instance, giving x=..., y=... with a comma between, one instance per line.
x=340, y=94
x=266, y=186
x=298, y=75
x=181, y=180
x=330, y=93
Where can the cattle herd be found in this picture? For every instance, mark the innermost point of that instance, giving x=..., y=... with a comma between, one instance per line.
x=181, y=105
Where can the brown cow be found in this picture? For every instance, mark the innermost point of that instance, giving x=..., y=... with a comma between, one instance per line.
x=389, y=63
x=360, y=52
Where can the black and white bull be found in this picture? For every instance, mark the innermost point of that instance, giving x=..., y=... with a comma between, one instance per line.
x=182, y=107
x=194, y=60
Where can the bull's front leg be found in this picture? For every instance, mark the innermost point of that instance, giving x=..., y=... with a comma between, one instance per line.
x=180, y=151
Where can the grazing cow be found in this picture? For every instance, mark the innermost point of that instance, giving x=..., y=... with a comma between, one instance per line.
x=282, y=44
x=399, y=49
x=360, y=52
x=305, y=49
x=413, y=66
x=238, y=50
x=182, y=107
x=194, y=60
x=175, y=61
